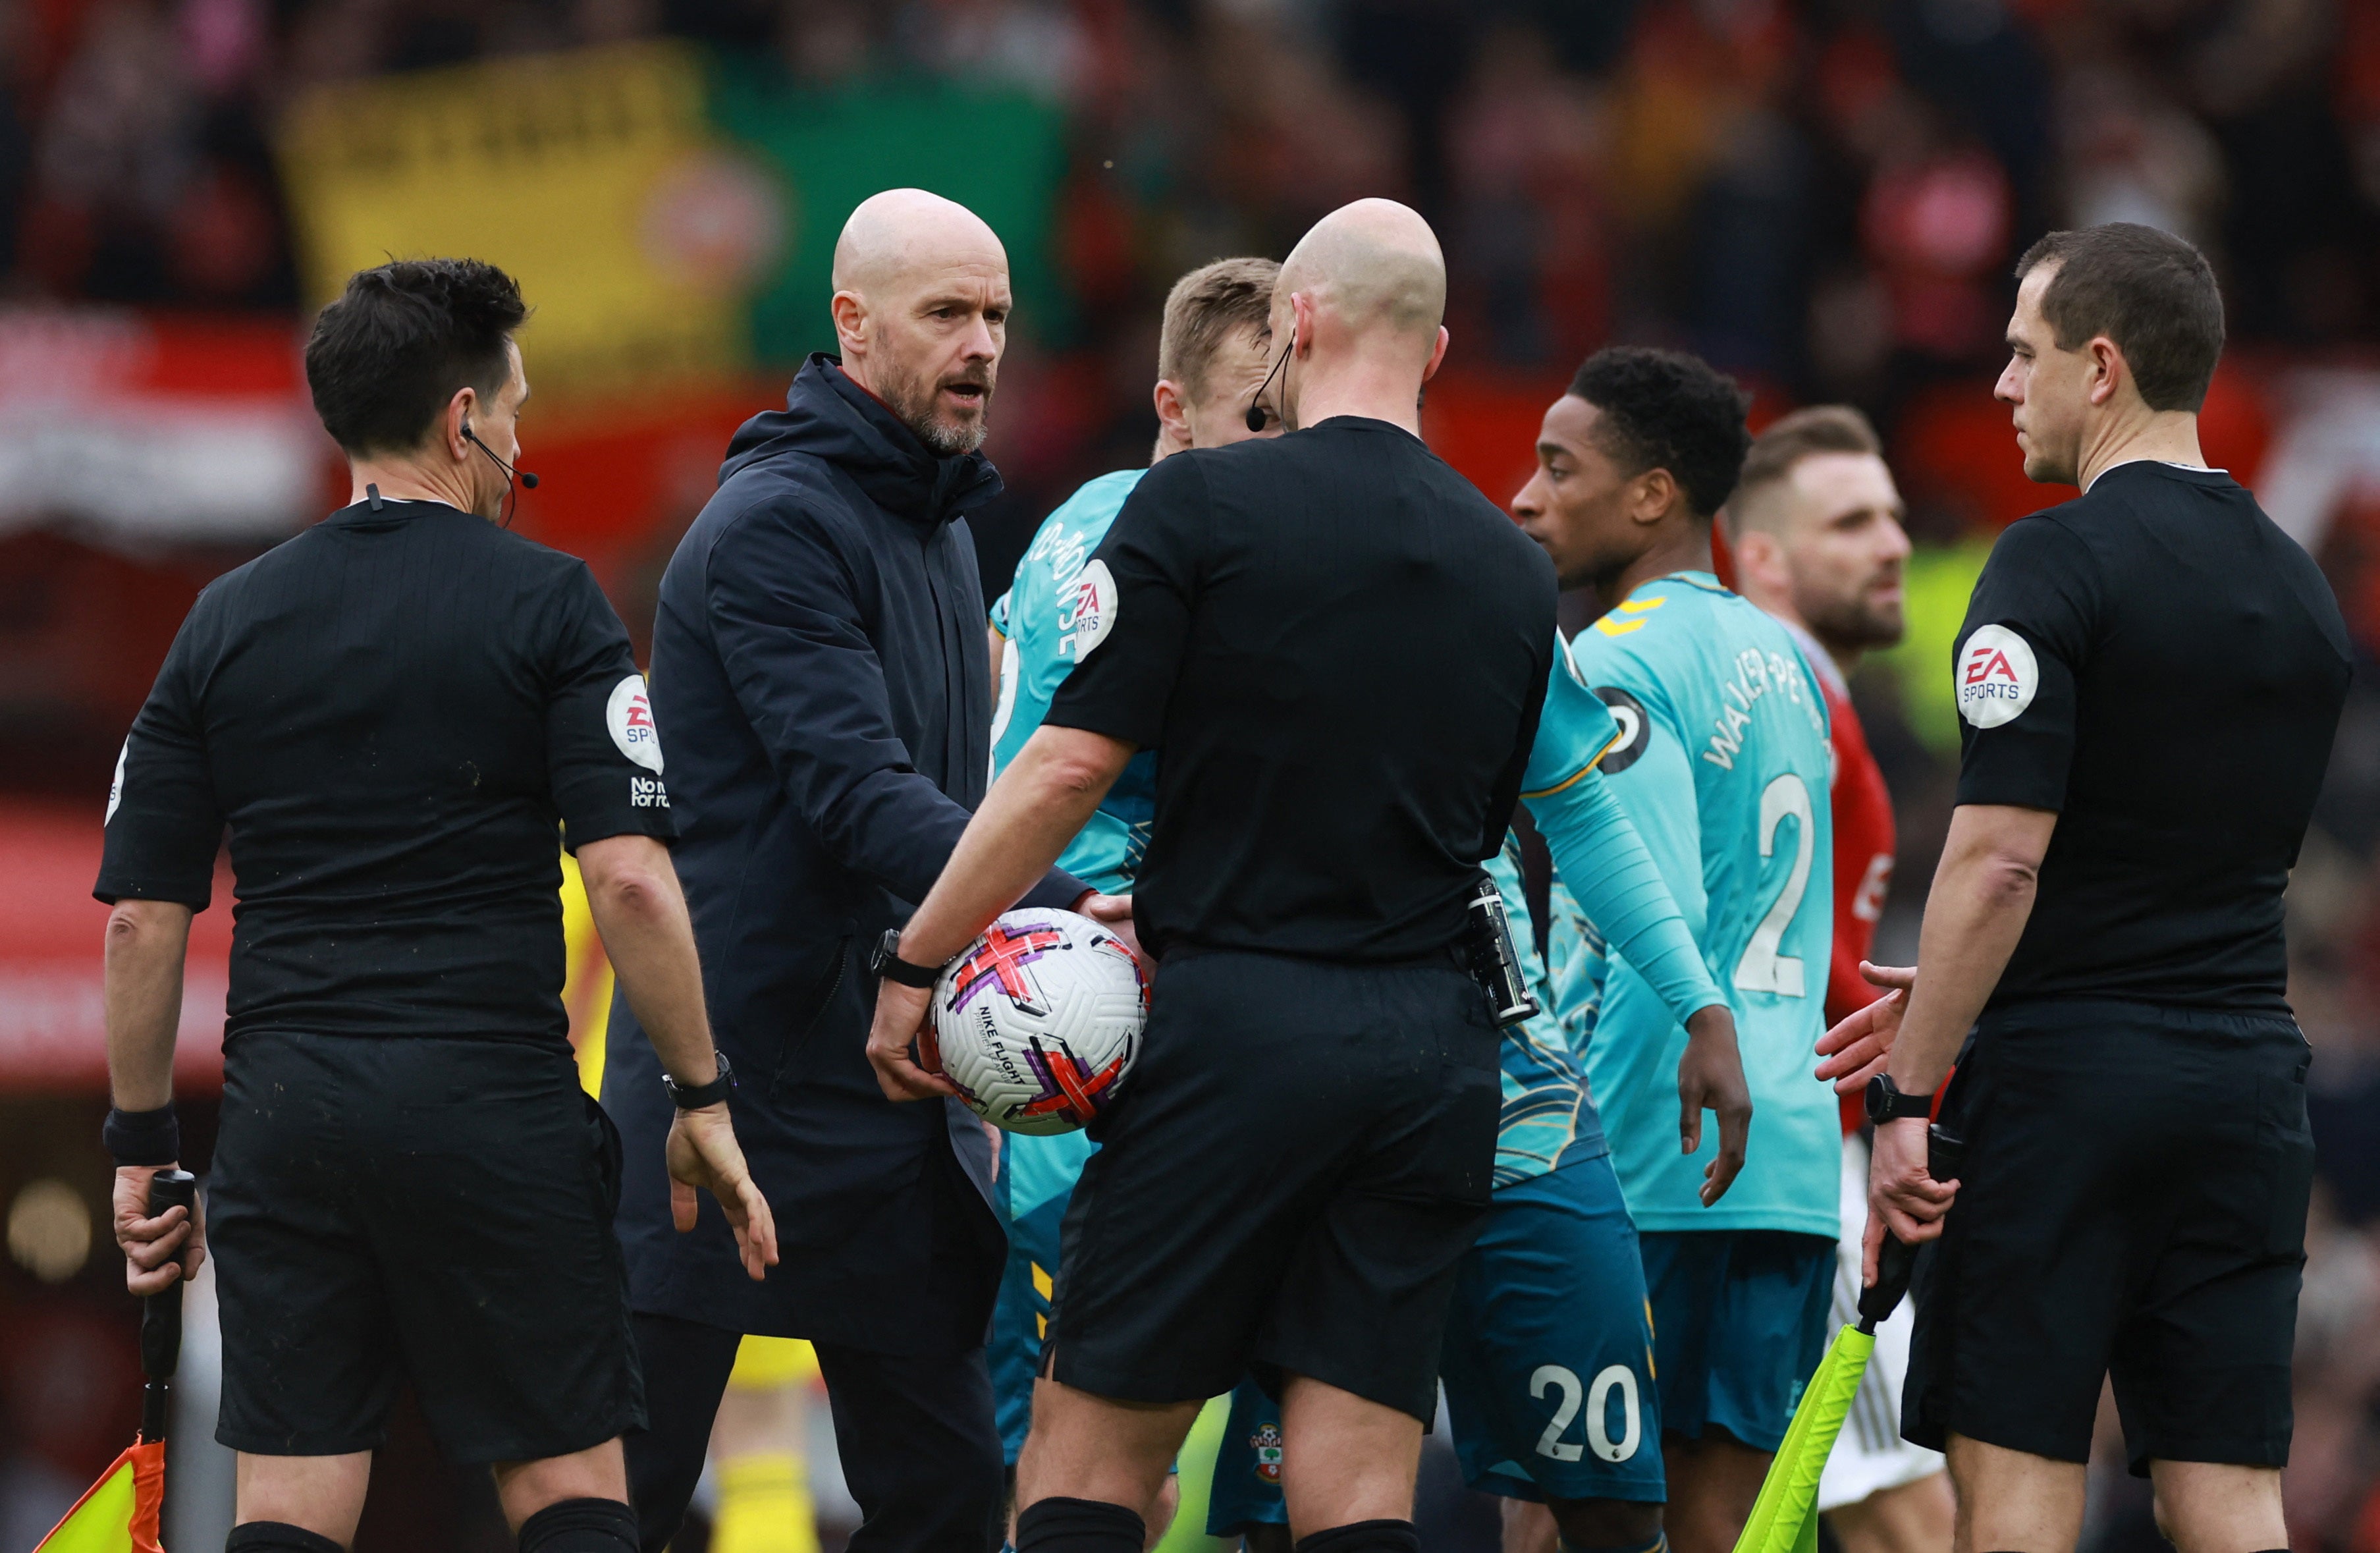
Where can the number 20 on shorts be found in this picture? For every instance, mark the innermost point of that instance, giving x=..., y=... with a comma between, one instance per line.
x=1597, y=1397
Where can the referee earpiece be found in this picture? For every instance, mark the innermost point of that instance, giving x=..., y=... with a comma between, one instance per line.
x=1255, y=405
x=510, y=473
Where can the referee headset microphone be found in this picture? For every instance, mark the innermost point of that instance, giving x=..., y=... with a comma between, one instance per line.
x=527, y=479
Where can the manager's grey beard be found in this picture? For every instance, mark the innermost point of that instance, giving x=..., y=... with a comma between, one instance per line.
x=914, y=402
x=944, y=440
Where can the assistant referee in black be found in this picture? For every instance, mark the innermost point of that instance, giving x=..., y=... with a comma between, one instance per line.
x=1341, y=648
x=401, y=716
x=2149, y=678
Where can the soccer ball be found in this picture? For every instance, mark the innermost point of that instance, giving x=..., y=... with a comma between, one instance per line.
x=1037, y=1023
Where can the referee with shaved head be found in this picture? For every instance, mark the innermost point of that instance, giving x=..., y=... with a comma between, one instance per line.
x=401, y=717
x=1310, y=871
x=2148, y=679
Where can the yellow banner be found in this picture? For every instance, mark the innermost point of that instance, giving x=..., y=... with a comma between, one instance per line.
x=591, y=177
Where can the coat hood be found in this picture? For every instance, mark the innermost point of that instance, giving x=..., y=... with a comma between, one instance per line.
x=832, y=418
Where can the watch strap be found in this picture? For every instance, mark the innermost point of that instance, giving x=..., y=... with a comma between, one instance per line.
x=886, y=962
x=694, y=1097
x=1886, y=1103
x=142, y=1137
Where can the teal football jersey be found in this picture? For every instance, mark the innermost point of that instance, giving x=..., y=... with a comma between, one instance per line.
x=1037, y=614
x=1546, y=1120
x=1723, y=764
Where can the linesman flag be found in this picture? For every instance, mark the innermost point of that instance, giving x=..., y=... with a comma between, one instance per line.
x=119, y=1514
x=1785, y=1516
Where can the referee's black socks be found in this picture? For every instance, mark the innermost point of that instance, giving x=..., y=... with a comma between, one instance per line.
x=1363, y=1536
x=580, y=1526
x=1056, y=1525
x=277, y=1536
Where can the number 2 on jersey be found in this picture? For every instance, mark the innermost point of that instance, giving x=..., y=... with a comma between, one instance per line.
x=1762, y=968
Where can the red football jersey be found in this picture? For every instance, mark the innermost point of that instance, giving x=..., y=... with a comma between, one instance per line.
x=1863, y=848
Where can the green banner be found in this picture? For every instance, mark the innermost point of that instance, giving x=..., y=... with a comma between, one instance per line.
x=1003, y=154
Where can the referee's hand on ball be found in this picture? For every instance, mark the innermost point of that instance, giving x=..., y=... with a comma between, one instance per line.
x=1710, y=1077
x=704, y=1156
x=160, y=1251
x=901, y=1043
x=1114, y=914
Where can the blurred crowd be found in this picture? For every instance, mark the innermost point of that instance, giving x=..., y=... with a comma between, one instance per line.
x=1821, y=196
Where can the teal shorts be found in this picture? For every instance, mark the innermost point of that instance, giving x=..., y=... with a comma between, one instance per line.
x=1548, y=1357
x=1739, y=1322
x=1036, y=1178
x=1247, y=1490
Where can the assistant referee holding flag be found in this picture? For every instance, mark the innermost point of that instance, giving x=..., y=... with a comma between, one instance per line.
x=1341, y=650
x=392, y=713
x=2149, y=678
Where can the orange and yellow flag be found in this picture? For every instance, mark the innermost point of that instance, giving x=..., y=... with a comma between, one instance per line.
x=119, y=1514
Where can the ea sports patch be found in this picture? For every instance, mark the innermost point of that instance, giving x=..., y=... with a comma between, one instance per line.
x=1998, y=676
x=115, y=788
x=1635, y=729
x=1090, y=612
x=629, y=717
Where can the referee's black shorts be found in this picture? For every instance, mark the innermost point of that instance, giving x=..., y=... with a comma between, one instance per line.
x=1303, y=1157
x=432, y=1210
x=2134, y=1206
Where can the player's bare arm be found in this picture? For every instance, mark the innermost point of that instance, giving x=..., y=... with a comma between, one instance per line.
x=642, y=915
x=1983, y=894
x=146, y=943
x=1026, y=819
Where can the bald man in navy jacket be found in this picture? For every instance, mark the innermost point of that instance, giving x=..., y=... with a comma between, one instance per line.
x=823, y=696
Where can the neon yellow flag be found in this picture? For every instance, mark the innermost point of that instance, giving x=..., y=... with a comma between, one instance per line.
x=1785, y=1517
x=119, y=1514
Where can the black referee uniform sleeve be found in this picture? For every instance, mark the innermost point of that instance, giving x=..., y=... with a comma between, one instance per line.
x=2029, y=629
x=164, y=824
x=603, y=751
x=1132, y=605
x=809, y=681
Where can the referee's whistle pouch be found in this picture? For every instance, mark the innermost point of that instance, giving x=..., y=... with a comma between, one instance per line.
x=1495, y=965
x=1896, y=1259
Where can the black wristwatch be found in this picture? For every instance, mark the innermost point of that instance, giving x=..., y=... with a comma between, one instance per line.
x=694, y=1097
x=1886, y=1103
x=886, y=962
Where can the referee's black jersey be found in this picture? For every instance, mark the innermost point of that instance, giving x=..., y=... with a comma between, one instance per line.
x=392, y=712
x=2162, y=666
x=1339, y=649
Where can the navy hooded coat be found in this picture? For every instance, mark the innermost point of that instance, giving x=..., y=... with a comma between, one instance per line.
x=822, y=692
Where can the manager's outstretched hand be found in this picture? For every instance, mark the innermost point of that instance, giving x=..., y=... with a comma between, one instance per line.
x=1710, y=1077
x=901, y=1043
x=703, y=1154
x=1859, y=1047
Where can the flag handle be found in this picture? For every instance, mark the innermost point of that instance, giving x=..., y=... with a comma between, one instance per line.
x=1944, y=1156
x=161, y=1313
